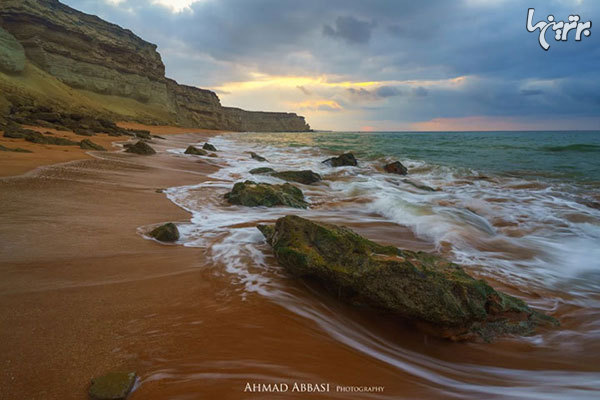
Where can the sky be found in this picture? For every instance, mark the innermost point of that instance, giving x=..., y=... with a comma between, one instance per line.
x=378, y=65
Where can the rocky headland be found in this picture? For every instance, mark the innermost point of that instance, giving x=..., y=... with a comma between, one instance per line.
x=62, y=60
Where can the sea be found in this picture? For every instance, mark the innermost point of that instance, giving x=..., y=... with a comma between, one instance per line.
x=519, y=209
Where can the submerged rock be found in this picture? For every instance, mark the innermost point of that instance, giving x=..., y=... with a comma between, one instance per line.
x=166, y=233
x=112, y=386
x=346, y=159
x=195, y=151
x=209, y=147
x=436, y=294
x=257, y=157
x=395, y=168
x=140, y=147
x=262, y=171
x=252, y=194
x=87, y=144
x=306, y=177
x=419, y=185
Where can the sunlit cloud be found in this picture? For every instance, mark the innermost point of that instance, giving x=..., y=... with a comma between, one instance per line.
x=316, y=105
x=176, y=5
x=260, y=81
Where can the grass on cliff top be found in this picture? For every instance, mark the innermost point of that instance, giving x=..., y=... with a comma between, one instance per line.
x=46, y=90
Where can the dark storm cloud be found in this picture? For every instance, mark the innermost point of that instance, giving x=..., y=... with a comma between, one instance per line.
x=225, y=40
x=350, y=29
x=379, y=93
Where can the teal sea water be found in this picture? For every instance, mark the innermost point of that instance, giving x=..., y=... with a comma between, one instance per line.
x=521, y=209
x=571, y=155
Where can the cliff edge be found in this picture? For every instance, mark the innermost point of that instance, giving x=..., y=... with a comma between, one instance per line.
x=54, y=56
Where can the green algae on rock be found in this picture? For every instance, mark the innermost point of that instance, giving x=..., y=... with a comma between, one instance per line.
x=252, y=194
x=112, y=386
x=346, y=159
x=166, y=233
x=436, y=294
x=140, y=147
x=306, y=176
x=195, y=151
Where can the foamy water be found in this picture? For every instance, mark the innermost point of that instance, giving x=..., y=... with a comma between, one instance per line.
x=532, y=236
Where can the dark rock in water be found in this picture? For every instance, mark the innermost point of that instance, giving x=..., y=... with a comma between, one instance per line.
x=87, y=144
x=140, y=148
x=262, y=171
x=213, y=155
x=16, y=149
x=166, y=233
x=396, y=168
x=346, y=159
x=419, y=185
x=209, y=147
x=436, y=294
x=252, y=194
x=306, y=177
x=195, y=151
x=257, y=157
x=112, y=386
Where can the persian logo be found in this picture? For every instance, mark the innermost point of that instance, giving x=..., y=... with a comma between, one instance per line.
x=560, y=28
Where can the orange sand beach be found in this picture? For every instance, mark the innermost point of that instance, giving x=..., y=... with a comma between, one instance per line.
x=83, y=293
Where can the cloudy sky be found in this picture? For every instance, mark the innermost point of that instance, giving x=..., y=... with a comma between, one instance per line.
x=378, y=65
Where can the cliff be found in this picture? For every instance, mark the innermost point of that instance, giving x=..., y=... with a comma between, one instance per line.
x=113, y=70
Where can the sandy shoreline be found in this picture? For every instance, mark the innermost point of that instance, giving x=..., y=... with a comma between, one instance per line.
x=15, y=163
x=82, y=293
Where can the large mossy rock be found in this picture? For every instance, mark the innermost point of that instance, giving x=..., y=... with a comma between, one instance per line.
x=252, y=194
x=112, y=386
x=429, y=290
x=12, y=54
x=166, y=233
x=195, y=151
x=140, y=147
x=346, y=159
x=306, y=176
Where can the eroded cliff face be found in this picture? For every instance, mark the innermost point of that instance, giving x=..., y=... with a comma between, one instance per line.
x=201, y=107
x=87, y=53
